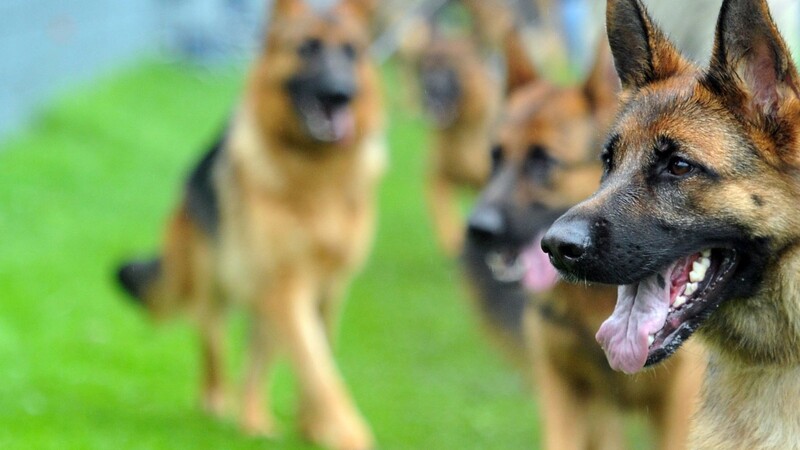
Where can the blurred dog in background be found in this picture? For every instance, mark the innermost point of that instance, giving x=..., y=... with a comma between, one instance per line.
x=460, y=98
x=278, y=217
x=461, y=93
x=545, y=160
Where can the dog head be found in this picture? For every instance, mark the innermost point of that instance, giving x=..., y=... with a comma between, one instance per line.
x=696, y=209
x=314, y=84
x=545, y=160
x=445, y=67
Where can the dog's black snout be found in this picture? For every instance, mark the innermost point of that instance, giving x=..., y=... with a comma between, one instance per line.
x=567, y=241
x=486, y=223
x=335, y=98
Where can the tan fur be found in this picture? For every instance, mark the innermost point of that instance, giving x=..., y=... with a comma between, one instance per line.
x=296, y=223
x=582, y=400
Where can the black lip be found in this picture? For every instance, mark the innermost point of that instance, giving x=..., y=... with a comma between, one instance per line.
x=671, y=340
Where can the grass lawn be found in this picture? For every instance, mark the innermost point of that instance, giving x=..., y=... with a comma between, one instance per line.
x=80, y=368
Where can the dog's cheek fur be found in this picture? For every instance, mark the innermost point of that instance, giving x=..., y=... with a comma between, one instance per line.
x=761, y=324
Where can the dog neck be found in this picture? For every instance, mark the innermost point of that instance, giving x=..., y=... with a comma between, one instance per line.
x=748, y=407
x=276, y=168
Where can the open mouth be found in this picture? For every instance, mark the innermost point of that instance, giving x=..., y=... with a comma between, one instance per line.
x=655, y=316
x=529, y=266
x=328, y=122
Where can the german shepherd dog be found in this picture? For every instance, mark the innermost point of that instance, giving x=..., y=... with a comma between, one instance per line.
x=279, y=215
x=696, y=220
x=461, y=100
x=545, y=160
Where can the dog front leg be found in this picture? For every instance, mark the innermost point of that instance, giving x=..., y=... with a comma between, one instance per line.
x=212, y=340
x=329, y=417
x=256, y=418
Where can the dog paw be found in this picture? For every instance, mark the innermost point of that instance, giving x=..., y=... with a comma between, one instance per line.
x=338, y=431
x=213, y=403
x=256, y=423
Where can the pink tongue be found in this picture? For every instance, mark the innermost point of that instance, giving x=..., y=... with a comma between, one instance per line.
x=540, y=275
x=641, y=311
x=342, y=124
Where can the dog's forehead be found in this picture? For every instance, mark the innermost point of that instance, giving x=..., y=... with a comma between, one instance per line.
x=681, y=111
x=554, y=118
x=328, y=27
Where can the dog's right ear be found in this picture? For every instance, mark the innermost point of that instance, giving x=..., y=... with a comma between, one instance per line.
x=642, y=53
x=288, y=8
x=751, y=67
x=519, y=67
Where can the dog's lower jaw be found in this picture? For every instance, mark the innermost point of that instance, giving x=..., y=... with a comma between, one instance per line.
x=747, y=407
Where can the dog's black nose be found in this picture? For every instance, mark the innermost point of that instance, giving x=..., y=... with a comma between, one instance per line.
x=566, y=242
x=335, y=98
x=486, y=222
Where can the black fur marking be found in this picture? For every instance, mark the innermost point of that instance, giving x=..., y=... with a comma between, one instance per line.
x=136, y=276
x=757, y=200
x=202, y=204
x=661, y=283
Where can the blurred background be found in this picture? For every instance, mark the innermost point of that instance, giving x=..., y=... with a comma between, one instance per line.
x=104, y=107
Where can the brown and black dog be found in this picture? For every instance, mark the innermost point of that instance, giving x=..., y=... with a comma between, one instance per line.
x=545, y=160
x=461, y=99
x=278, y=217
x=461, y=96
x=697, y=220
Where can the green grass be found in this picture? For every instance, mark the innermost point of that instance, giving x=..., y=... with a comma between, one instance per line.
x=81, y=368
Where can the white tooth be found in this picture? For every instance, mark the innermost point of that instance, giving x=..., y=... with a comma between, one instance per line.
x=705, y=262
x=697, y=275
x=690, y=288
x=706, y=253
x=698, y=270
x=650, y=340
x=679, y=301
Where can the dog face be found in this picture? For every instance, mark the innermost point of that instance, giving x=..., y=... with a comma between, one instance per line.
x=545, y=160
x=313, y=80
x=694, y=215
x=456, y=83
x=440, y=74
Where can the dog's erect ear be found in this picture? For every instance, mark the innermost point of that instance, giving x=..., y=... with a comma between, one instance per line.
x=642, y=54
x=288, y=8
x=519, y=67
x=602, y=84
x=751, y=67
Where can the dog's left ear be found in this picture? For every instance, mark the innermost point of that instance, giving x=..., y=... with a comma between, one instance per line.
x=520, y=71
x=751, y=67
x=602, y=86
x=362, y=10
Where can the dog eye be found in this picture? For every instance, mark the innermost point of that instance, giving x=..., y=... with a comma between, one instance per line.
x=497, y=156
x=679, y=167
x=607, y=155
x=310, y=47
x=538, y=162
x=607, y=161
x=349, y=51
